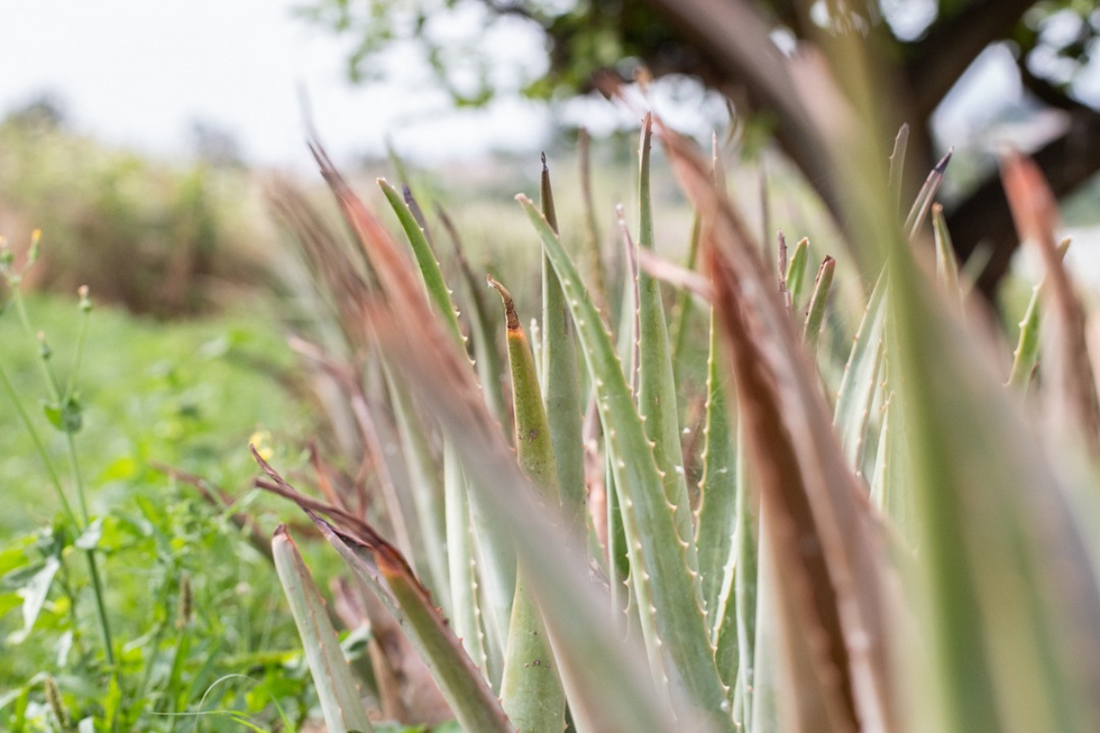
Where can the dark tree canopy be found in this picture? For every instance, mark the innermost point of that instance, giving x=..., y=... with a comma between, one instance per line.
x=922, y=47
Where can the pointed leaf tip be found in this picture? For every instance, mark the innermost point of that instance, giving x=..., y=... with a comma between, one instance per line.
x=941, y=166
x=509, y=304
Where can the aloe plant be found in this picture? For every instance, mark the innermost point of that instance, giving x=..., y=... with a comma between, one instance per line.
x=834, y=523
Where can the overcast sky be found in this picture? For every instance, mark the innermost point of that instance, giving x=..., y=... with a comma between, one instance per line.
x=139, y=72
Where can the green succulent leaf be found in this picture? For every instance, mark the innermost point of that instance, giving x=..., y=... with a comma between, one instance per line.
x=339, y=696
x=673, y=623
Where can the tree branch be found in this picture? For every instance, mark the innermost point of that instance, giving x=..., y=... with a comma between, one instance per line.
x=1046, y=92
x=953, y=43
x=734, y=38
x=512, y=8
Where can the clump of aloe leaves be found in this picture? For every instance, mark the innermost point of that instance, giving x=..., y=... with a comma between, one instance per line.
x=913, y=548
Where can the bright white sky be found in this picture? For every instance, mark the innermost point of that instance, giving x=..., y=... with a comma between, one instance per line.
x=138, y=72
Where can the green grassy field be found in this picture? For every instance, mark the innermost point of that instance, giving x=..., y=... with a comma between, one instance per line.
x=188, y=395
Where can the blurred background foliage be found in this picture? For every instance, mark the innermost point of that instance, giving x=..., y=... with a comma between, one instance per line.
x=162, y=238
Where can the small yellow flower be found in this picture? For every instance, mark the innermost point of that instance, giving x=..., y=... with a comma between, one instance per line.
x=261, y=440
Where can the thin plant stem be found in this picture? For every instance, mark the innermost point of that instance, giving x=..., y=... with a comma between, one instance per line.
x=43, y=356
x=101, y=608
x=81, y=337
x=74, y=464
x=39, y=447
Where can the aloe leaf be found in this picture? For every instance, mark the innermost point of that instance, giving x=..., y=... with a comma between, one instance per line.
x=897, y=166
x=673, y=623
x=1007, y=591
x=796, y=272
x=926, y=196
x=482, y=324
x=424, y=486
x=815, y=313
x=336, y=690
x=438, y=292
x=763, y=697
x=497, y=567
x=684, y=308
x=1026, y=355
x=947, y=267
x=891, y=489
x=530, y=690
x=618, y=558
x=714, y=536
x=630, y=324
x=387, y=573
x=461, y=563
x=606, y=688
x=465, y=689
x=563, y=395
x=837, y=589
x=1070, y=385
x=746, y=589
x=603, y=677
x=857, y=386
x=656, y=375
x=999, y=541
x=591, y=227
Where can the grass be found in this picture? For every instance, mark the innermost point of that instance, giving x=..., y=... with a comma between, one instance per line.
x=186, y=396
x=188, y=599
